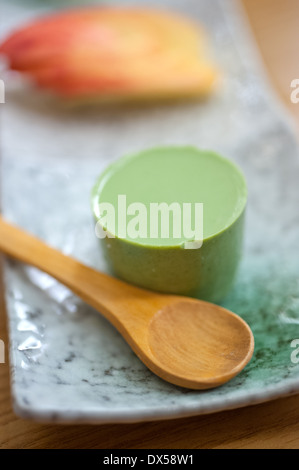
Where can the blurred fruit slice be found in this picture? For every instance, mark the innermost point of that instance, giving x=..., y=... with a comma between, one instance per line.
x=113, y=53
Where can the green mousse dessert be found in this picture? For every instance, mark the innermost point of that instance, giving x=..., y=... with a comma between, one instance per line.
x=171, y=219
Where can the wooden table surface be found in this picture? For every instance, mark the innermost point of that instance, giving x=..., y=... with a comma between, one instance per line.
x=271, y=425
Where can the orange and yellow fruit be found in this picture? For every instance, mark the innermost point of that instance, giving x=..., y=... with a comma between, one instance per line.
x=113, y=53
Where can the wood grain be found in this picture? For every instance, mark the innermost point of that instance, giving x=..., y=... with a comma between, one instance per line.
x=275, y=24
x=271, y=425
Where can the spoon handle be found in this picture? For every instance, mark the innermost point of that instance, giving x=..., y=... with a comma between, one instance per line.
x=112, y=297
x=185, y=341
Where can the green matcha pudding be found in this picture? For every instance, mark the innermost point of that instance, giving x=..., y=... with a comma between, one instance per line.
x=171, y=219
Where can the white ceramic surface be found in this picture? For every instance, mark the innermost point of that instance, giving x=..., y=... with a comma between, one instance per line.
x=68, y=364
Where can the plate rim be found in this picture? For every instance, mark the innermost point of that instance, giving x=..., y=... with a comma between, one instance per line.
x=270, y=392
x=127, y=416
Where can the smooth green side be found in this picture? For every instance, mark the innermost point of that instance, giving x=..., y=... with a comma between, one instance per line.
x=206, y=273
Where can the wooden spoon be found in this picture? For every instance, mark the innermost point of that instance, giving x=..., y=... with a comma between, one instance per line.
x=188, y=342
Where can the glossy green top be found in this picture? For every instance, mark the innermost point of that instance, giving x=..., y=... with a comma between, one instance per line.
x=175, y=174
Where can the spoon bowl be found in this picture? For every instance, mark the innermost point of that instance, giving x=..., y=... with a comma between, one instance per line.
x=196, y=341
x=188, y=342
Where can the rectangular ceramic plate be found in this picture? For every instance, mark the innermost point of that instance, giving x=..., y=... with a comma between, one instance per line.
x=69, y=364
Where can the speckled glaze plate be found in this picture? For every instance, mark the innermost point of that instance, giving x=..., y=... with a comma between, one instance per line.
x=68, y=364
